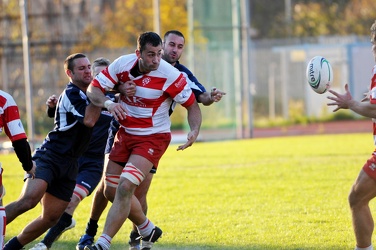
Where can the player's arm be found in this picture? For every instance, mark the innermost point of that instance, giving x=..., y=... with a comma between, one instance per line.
x=17, y=135
x=207, y=98
x=92, y=113
x=51, y=106
x=346, y=101
x=199, y=90
x=23, y=152
x=194, y=120
x=98, y=98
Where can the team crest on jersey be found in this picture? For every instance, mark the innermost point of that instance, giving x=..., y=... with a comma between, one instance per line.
x=145, y=81
x=123, y=77
x=151, y=151
x=372, y=166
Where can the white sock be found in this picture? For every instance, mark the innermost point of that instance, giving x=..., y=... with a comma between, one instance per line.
x=3, y=226
x=104, y=241
x=145, y=228
x=364, y=248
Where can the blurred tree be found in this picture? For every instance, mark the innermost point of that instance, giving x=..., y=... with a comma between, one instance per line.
x=311, y=17
x=359, y=16
x=10, y=14
x=120, y=26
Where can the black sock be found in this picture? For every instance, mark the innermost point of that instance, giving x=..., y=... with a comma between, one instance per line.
x=91, y=228
x=55, y=231
x=13, y=244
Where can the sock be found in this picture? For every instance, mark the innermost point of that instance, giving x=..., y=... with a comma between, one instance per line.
x=104, y=242
x=3, y=226
x=364, y=248
x=13, y=244
x=55, y=231
x=91, y=228
x=145, y=228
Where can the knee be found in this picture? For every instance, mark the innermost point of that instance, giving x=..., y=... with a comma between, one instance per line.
x=51, y=219
x=354, y=200
x=109, y=193
x=125, y=188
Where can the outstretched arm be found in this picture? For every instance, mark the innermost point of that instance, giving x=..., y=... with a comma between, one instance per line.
x=346, y=101
x=194, y=120
x=207, y=98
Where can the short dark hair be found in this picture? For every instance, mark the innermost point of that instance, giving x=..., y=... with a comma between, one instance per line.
x=373, y=32
x=148, y=38
x=101, y=61
x=69, y=61
x=175, y=32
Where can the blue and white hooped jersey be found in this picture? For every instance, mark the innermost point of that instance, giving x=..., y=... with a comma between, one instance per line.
x=69, y=135
x=194, y=84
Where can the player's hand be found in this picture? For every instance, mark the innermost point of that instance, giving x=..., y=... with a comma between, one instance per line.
x=191, y=138
x=342, y=101
x=51, y=101
x=31, y=173
x=366, y=97
x=216, y=94
x=117, y=110
x=128, y=88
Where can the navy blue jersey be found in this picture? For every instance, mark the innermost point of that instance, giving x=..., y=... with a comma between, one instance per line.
x=112, y=130
x=98, y=140
x=99, y=136
x=194, y=84
x=69, y=136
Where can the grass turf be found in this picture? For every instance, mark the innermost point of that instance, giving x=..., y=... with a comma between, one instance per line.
x=269, y=193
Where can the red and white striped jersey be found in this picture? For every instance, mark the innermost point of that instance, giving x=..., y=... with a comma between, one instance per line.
x=10, y=120
x=148, y=109
x=372, y=100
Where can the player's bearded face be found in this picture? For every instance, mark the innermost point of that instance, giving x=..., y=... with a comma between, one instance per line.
x=150, y=58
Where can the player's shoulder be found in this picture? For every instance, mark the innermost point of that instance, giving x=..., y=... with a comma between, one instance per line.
x=182, y=68
x=72, y=92
x=168, y=70
x=71, y=88
x=5, y=95
x=125, y=59
x=123, y=62
x=6, y=99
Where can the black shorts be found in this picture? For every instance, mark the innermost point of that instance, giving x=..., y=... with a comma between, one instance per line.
x=89, y=172
x=59, y=172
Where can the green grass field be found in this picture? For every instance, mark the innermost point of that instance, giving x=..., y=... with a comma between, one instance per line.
x=269, y=193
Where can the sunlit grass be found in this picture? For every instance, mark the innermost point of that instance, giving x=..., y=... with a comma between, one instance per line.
x=271, y=193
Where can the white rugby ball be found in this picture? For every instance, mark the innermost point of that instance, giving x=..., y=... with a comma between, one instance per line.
x=319, y=74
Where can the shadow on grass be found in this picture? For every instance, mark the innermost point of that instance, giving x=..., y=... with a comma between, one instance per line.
x=65, y=245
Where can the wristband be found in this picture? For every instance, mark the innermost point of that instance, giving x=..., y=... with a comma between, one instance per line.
x=28, y=176
x=107, y=103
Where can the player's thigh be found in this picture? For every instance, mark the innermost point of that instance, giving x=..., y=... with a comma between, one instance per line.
x=53, y=207
x=33, y=191
x=141, y=163
x=363, y=189
x=113, y=168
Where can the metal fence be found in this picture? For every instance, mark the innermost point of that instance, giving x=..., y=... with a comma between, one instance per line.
x=271, y=83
